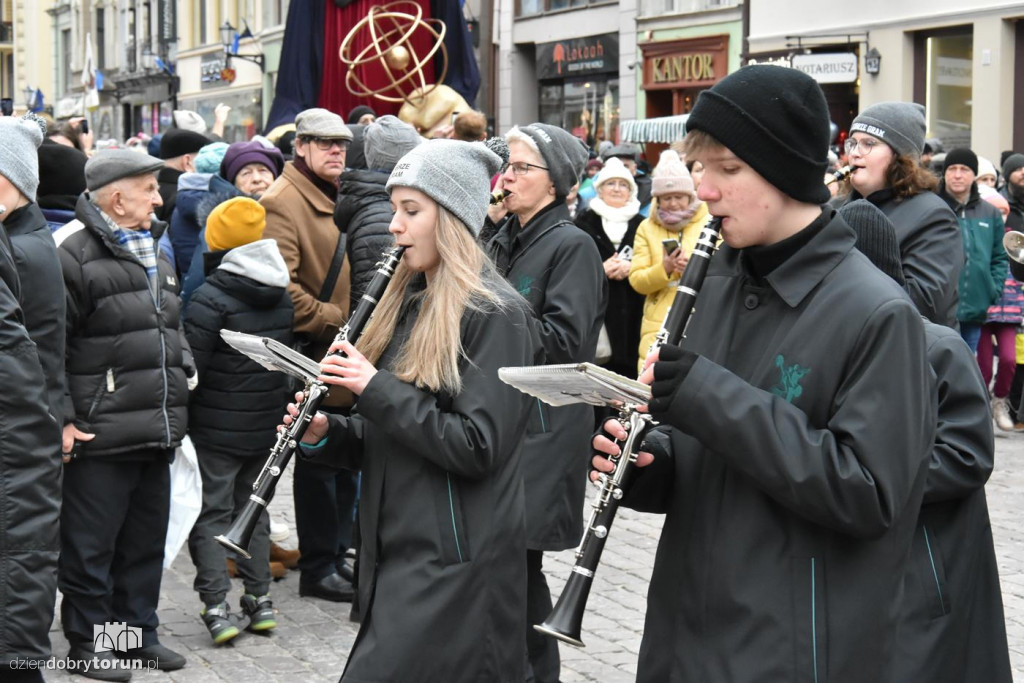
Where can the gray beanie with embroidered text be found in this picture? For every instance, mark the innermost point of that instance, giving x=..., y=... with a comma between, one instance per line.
x=900, y=125
x=455, y=174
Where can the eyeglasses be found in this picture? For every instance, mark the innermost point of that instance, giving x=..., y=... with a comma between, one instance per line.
x=324, y=144
x=521, y=167
x=621, y=184
x=863, y=146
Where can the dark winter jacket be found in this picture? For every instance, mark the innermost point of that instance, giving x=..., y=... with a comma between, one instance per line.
x=363, y=211
x=30, y=479
x=982, y=230
x=237, y=404
x=952, y=626
x=185, y=224
x=126, y=352
x=625, y=311
x=557, y=268
x=1015, y=221
x=931, y=250
x=442, y=565
x=799, y=455
x=42, y=297
x=57, y=218
x=167, y=178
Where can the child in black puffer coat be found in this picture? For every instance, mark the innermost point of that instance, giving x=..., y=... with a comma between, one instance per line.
x=235, y=408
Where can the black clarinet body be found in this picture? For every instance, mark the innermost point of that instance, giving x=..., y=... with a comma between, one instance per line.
x=566, y=619
x=238, y=537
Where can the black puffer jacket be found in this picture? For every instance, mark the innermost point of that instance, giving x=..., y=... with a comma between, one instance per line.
x=364, y=213
x=238, y=403
x=42, y=296
x=29, y=485
x=126, y=352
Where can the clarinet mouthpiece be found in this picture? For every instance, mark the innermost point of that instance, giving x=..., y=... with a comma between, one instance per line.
x=840, y=175
x=498, y=197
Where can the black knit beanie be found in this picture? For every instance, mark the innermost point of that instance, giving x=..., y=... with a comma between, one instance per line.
x=775, y=119
x=962, y=156
x=876, y=237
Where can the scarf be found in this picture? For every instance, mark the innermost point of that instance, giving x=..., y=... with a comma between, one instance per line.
x=328, y=188
x=615, y=221
x=140, y=243
x=676, y=219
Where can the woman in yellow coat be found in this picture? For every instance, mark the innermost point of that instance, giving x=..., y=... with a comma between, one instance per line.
x=676, y=214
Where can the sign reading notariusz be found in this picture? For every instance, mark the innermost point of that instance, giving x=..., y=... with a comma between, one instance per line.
x=578, y=57
x=829, y=67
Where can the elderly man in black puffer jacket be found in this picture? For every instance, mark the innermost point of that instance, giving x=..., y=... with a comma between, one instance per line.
x=125, y=412
x=363, y=210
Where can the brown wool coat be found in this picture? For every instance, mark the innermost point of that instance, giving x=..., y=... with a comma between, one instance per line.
x=300, y=219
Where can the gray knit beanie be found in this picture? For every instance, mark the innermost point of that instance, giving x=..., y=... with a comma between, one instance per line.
x=455, y=174
x=564, y=154
x=900, y=125
x=876, y=237
x=19, y=157
x=1012, y=163
x=387, y=140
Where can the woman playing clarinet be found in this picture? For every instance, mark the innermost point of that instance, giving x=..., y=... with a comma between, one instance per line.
x=437, y=436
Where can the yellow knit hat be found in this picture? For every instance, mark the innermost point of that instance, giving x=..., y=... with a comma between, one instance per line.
x=235, y=222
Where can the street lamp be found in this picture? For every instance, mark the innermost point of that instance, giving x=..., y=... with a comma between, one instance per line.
x=227, y=36
x=30, y=97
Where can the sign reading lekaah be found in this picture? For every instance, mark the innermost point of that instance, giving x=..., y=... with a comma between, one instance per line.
x=829, y=67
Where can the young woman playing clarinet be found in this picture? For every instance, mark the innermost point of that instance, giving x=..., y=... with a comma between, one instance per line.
x=438, y=439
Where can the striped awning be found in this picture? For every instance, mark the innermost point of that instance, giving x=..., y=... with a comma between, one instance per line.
x=665, y=129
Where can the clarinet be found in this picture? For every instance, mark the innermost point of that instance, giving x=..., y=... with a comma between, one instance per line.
x=566, y=618
x=239, y=536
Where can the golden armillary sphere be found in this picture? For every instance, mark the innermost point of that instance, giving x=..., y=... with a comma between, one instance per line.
x=388, y=31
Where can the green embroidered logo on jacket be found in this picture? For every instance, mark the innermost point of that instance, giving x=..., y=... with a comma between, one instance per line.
x=524, y=285
x=789, y=383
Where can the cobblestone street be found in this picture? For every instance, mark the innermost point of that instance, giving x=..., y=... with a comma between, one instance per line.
x=313, y=636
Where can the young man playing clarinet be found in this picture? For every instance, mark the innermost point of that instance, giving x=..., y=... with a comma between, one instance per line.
x=799, y=417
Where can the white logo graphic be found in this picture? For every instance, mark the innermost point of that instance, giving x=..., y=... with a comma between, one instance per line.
x=116, y=636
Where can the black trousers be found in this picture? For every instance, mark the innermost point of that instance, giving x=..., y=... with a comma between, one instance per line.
x=324, y=500
x=227, y=483
x=113, y=525
x=542, y=650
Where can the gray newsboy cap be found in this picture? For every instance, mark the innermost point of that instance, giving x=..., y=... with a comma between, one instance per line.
x=110, y=165
x=320, y=123
x=455, y=174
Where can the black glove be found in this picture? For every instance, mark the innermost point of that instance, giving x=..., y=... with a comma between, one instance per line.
x=671, y=369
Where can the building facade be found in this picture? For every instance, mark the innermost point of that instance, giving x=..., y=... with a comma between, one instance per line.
x=963, y=61
x=570, y=63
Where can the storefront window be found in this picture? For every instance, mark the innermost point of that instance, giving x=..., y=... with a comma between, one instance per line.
x=949, y=90
x=245, y=119
x=587, y=109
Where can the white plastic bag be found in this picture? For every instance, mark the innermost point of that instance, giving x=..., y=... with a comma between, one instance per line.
x=186, y=499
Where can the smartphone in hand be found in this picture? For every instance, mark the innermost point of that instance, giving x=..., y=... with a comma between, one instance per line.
x=670, y=245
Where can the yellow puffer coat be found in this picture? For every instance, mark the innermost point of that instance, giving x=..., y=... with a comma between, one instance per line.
x=647, y=275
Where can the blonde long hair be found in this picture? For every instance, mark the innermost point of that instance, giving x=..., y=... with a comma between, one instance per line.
x=429, y=358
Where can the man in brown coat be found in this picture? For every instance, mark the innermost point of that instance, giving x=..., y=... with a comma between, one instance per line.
x=300, y=209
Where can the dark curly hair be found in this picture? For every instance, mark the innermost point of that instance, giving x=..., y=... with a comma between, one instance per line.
x=907, y=177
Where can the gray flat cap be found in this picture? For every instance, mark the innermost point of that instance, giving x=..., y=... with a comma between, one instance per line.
x=320, y=123
x=111, y=165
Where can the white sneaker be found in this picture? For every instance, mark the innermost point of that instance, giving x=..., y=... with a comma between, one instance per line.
x=279, y=531
x=1001, y=414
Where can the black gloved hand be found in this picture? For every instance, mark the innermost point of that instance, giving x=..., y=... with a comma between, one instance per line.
x=673, y=366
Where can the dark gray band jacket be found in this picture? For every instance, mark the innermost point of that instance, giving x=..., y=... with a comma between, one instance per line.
x=952, y=625
x=557, y=268
x=797, y=468
x=442, y=565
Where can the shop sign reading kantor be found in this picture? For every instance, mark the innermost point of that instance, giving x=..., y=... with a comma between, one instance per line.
x=687, y=63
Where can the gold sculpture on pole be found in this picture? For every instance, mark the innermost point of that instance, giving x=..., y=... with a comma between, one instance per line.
x=388, y=30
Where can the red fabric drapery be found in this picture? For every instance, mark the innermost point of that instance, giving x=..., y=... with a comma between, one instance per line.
x=339, y=21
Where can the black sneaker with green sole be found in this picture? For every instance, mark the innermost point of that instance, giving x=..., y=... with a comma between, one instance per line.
x=219, y=622
x=260, y=611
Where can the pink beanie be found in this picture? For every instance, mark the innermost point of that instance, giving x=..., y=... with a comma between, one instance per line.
x=671, y=177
